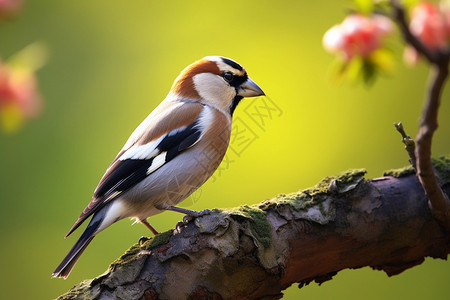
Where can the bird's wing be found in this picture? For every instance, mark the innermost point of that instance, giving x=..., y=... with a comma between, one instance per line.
x=159, y=139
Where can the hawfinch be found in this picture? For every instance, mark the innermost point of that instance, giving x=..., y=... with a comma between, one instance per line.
x=171, y=153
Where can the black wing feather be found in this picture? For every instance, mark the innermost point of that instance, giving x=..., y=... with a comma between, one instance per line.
x=122, y=177
x=172, y=140
x=129, y=172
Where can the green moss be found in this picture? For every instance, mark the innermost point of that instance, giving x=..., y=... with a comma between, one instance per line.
x=259, y=226
x=313, y=196
x=442, y=166
x=351, y=176
x=299, y=201
x=130, y=254
x=402, y=172
x=80, y=291
x=127, y=257
x=160, y=239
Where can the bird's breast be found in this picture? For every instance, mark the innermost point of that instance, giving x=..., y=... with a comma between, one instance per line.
x=180, y=177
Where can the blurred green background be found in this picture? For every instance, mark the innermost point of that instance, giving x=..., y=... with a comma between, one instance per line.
x=112, y=62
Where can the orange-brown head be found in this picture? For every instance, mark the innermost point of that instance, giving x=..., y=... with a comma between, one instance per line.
x=215, y=80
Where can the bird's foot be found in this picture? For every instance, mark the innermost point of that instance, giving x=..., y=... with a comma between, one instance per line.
x=195, y=214
x=189, y=214
x=142, y=240
x=187, y=219
x=179, y=225
x=203, y=212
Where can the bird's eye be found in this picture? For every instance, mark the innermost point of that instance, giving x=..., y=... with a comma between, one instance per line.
x=228, y=76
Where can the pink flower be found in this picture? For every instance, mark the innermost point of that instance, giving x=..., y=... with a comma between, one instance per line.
x=19, y=97
x=430, y=25
x=9, y=8
x=357, y=35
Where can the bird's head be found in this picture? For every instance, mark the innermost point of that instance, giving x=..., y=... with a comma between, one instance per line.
x=215, y=80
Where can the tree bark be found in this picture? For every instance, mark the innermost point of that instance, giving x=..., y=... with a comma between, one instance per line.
x=254, y=252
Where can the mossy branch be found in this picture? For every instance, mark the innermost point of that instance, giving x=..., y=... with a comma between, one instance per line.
x=256, y=251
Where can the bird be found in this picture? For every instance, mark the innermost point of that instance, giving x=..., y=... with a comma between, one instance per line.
x=170, y=154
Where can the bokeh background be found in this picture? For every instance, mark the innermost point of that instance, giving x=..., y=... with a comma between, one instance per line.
x=112, y=62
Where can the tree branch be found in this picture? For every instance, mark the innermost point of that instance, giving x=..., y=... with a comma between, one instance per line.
x=439, y=59
x=257, y=251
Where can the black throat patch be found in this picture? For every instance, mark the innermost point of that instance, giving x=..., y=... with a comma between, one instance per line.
x=235, y=103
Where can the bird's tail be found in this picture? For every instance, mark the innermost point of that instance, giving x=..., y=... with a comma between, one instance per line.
x=67, y=264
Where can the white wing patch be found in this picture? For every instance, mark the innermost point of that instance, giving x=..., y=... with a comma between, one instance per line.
x=146, y=151
x=157, y=162
x=175, y=131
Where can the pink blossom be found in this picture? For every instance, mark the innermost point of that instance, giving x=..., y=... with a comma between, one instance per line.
x=357, y=35
x=18, y=93
x=430, y=25
x=9, y=8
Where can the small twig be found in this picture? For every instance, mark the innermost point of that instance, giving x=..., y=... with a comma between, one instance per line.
x=410, y=145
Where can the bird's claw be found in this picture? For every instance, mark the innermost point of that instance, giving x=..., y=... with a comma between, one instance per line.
x=195, y=214
x=205, y=212
x=201, y=213
x=187, y=219
x=143, y=239
x=179, y=225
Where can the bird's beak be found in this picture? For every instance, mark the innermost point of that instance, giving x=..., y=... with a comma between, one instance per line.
x=250, y=89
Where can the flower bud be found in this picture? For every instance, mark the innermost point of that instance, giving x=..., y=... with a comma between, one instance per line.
x=357, y=35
